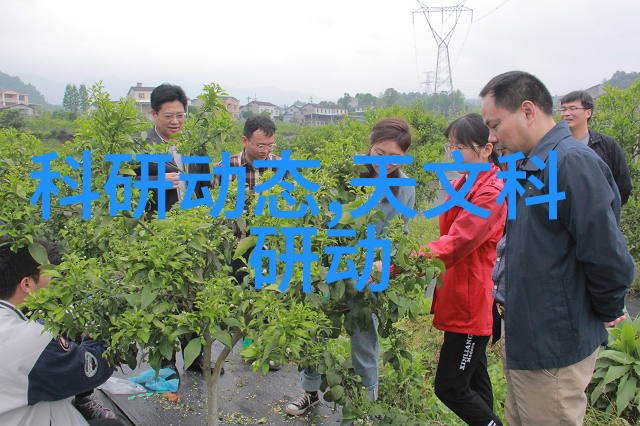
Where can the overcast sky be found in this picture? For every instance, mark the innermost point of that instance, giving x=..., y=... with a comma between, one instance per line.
x=290, y=49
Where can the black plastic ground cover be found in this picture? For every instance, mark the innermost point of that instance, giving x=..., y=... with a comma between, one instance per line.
x=245, y=398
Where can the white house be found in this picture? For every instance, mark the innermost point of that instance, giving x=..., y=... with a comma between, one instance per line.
x=319, y=115
x=258, y=107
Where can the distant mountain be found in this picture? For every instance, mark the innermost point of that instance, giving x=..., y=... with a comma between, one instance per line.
x=623, y=80
x=35, y=97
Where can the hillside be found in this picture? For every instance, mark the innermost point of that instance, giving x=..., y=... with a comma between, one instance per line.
x=35, y=97
x=623, y=80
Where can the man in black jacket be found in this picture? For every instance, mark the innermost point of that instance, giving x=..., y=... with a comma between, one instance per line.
x=576, y=110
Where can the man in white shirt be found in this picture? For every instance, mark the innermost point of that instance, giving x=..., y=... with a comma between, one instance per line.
x=39, y=372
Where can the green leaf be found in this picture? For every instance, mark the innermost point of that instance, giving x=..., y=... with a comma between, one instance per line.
x=196, y=244
x=400, y=254
x=232, y=322
x=272, y=345
x=617, y=356
x=324, y=288
x=596, y=393
x=615, y=372
x=183, y=329
x=439, y=264
x=334, y=394
x=245, y=245
x=628, y=338
x=20, y=191
x=166, y=348
x=333, y=377
x=96, y=281
x=223, y=338
x=130, y=223
x=626, y=392
x=132, y=299
x=376, y=410
x=144, y=335
x=338, y=290
x=328, y=359
x=148, y=295
x=313, y=299
x=38, y=252
x=399, y=419
x=192, y=351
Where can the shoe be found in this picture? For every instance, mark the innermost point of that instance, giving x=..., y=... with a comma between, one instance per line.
x=91, y=408
x=299, y=407
x=274, y=366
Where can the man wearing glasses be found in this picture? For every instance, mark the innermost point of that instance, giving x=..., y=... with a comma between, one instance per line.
x=258, y=144
x=576, y=110
x=168, y=105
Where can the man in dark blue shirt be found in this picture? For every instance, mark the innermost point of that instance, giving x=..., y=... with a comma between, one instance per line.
x=565, y=278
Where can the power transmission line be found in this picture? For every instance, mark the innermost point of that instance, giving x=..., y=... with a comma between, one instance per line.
x=443, y=78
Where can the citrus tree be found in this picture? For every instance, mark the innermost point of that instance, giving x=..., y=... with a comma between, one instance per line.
x=144, y=285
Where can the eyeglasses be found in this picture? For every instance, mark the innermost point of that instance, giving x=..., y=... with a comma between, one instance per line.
x=262, y=147
x=179, y=116
x=450, y=148
x=380, y=153
x=571, y=108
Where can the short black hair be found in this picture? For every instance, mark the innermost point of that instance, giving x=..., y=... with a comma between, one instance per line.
x=261, y=122
x=167, y=93
x=579, y=95
x=512, y=88
x=14, y=266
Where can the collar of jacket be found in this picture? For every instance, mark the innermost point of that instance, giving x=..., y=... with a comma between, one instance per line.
x=488, y=177
x=548, y=143
x=153, y=136
x=9, y=306
x=594, y=137
x=480, y=180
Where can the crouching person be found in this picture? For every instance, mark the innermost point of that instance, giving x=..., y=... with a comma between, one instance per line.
x=39, y=372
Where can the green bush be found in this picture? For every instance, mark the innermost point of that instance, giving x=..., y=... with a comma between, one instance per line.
x=12, y=118
x=615, y=383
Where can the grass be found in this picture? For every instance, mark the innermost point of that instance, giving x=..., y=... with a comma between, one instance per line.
x=411, y=390
x=424, y=230
x=635, y=285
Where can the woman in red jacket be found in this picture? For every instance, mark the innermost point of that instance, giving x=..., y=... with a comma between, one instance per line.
x=462, y=305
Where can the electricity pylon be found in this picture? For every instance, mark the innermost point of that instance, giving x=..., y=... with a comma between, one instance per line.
x=427, y=82
x=443, y=82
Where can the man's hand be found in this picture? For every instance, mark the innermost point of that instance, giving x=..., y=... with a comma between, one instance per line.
x=175, y=177
x=614, y=322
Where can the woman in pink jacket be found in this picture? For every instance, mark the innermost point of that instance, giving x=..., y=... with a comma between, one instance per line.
x=462, y=306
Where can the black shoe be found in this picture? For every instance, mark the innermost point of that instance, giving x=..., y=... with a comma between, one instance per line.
x=302, y=404
x=91, y=408
x=274, y=366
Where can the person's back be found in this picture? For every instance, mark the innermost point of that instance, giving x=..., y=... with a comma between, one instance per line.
x=39, y=373
x=24, y=401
